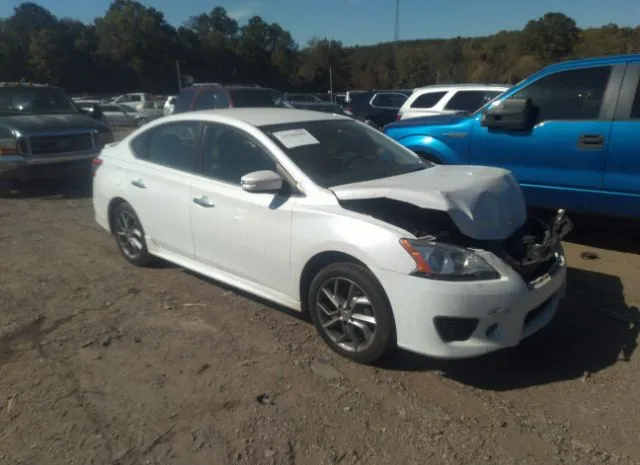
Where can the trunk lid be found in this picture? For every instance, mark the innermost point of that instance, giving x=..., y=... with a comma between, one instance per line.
x=485, y=203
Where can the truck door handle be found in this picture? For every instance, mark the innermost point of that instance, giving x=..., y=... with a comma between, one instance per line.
x=139, y=184
x=591, y=141
x=203, y=202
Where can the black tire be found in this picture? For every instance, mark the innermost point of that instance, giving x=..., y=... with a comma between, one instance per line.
x=383, y=338
x=141, y=257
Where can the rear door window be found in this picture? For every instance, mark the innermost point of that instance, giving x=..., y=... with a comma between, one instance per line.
x=183, y=101
x=428, y=100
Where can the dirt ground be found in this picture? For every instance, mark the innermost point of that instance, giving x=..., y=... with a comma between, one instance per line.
x=104, y=363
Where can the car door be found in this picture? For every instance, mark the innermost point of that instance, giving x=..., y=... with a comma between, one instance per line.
x=385, y=106
x=565, y=151
x=622, y=173
x=243, y=233
x=158, y=183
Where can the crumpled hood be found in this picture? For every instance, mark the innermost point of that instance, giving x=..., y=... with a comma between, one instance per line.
x=485, y=203
x=30, y=124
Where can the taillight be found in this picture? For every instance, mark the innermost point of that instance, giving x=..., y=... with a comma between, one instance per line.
x=398, y=116
x=95, y=163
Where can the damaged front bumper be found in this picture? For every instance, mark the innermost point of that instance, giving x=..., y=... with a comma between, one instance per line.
x=466, y=319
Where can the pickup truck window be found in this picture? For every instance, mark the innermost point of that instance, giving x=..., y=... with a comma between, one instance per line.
x=569, y=95
x=635, y=109
x=428, y=100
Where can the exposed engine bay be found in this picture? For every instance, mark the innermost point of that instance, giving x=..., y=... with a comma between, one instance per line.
x=530, y=250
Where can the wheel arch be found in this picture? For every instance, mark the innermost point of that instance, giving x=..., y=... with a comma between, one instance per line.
x=316, y=263
x=111, y=209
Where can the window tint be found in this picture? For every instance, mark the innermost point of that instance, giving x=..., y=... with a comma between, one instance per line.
x=135, y=98
x=174, y=145
x=230, y=153
x=254, y=97
x=468, y=100
x=635, y=109
x=206, y=100
x=389, y=100
x=183, y=101
x=569, y=95
x=428, y=100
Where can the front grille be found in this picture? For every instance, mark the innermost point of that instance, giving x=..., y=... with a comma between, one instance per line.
x=58, y=144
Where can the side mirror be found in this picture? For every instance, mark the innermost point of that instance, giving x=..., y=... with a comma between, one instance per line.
x=516, y=114
x=261, y=181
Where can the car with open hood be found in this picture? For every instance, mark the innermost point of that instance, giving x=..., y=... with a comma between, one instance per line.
x=43, y=134
x=324, y=214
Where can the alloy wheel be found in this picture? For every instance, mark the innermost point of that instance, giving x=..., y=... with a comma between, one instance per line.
x=346, y=314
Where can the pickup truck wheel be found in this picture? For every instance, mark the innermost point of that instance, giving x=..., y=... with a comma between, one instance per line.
x=350, y=310
x=130, y=235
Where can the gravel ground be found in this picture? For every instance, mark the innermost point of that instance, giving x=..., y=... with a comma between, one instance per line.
x=104, y=363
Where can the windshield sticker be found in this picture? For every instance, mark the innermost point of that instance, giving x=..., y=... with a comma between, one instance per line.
x=295, y=138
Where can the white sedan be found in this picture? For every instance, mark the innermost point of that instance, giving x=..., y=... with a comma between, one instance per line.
x=322, y=214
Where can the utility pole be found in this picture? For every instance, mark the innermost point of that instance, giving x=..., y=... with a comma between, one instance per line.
x=178, y=73
x=396, y=32
x=331, y=83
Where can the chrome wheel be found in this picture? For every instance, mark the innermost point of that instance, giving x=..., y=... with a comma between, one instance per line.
x=346, y=315
x=129, y=234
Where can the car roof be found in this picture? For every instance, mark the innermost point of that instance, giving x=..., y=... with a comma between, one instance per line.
x=263, y=116
x=447, y=87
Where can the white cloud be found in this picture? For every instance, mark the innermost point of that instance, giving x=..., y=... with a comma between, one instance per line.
x=244, y=11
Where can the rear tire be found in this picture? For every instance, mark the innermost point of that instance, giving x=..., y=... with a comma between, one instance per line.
x=130, y=236
x=351, y=312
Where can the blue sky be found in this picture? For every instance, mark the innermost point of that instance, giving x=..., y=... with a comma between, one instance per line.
x=372, y=21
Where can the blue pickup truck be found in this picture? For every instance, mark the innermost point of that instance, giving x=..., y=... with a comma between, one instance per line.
x=570, y=133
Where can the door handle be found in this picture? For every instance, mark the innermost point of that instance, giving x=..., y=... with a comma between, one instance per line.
x=139, y=184
x=203, y=202
x=591, y=141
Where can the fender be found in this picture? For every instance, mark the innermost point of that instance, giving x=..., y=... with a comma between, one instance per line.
x=432, y=146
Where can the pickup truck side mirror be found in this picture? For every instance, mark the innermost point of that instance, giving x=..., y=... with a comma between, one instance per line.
x=513, y=114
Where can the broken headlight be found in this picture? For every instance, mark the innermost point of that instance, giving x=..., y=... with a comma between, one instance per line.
x=447, y=262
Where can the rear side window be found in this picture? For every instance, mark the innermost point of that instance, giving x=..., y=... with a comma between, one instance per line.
x=428, y=100
x=388, y=100
x=467, y=100
x=253, y=98
x=174, y=145
x=206, y=100
x=183, y=101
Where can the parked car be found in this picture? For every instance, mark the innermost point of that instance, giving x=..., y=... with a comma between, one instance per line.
x=169, y=105
x=377, y=107
x=325, y=215
x=44, y=135
x=118, y=115
x=210, y=96
x=326, y=107
x=448, y=99
x=568, y=133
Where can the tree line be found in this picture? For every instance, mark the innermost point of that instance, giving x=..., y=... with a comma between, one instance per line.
x=133, y=48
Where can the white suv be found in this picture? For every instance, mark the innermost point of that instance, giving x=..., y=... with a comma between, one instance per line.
x=451, y=98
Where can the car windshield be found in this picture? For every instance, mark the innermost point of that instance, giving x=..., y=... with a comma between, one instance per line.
x=35, y=100
x=336, y=152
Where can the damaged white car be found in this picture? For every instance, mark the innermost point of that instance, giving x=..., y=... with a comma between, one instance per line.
x=322, y=214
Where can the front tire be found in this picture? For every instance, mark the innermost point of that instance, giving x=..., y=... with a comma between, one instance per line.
x=130, y=236
x=351, y=312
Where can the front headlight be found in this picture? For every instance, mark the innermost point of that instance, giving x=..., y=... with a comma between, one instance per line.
x=447, y=262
